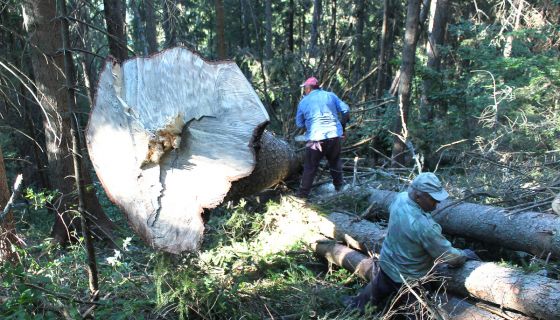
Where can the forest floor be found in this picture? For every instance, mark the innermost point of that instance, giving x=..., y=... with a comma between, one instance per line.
x=254, y=264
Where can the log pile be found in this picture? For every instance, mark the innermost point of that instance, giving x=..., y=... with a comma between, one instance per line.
x=509, y=288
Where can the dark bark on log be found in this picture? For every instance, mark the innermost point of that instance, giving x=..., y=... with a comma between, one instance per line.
x=533, y=232
x=276, y=161
x=168, y=135
x=362, y=266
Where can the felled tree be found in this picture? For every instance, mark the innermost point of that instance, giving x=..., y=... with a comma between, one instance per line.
x=169, y=134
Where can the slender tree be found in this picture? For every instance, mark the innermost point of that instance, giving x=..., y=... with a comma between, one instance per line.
x=220, y=32
x=290, y=25
x=268, y=29
x=70, y=79
x=315, y=23
x=114, y=18
x=437, y=26
x=406, y=73
x=150, y=20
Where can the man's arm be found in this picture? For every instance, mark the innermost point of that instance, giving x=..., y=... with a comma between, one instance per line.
x=437, y=246
x=344, y=110
x=300, y=118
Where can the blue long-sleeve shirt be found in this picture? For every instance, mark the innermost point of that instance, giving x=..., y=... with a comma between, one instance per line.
x=318, y=113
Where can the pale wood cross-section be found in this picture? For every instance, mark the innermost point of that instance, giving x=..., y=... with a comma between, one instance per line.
x=167, y=136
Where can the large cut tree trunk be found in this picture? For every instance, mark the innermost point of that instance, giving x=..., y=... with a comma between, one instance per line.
x=44, y=29
x=533, y=295
x=168, y=136
x=363, y=266
x=533, y=232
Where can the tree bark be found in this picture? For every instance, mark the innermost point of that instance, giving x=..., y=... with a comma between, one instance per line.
x=290, y=30
x=315, y=23
x=167, y=136
x=360, y=16
x=44, y=29
x=381, y=68
x=407, y=71
x=268, y=29
x=436, y=34
x=150, y=19
x=139, y=23
x=116, y=36
x=220, y=32
x=532, y=232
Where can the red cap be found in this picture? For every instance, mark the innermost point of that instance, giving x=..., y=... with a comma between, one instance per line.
x=310, y=82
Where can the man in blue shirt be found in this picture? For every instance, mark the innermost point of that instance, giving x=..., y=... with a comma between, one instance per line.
x=318, y=113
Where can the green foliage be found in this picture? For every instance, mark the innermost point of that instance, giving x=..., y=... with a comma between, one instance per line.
x=245, y=269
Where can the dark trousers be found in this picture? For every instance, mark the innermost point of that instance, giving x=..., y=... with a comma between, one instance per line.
x=378, y=289
x=330, y=148
x=382, y=287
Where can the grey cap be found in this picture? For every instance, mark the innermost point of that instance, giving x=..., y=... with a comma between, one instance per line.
x=428, y=182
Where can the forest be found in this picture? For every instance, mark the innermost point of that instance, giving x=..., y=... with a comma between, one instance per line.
x=150, y=158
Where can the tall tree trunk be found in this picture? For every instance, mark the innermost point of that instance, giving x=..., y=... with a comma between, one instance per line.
x=315, y=24
x=406, y=73
x=115, y=20
x=170, y=13
x=436, y=35
x=70, y=76
x=150, y=19
x=332, y=35
x=220, y=32
x=245, y=31
x=386, y=39
x=139, y=23
x=43, y=26
x=268, y=29
x=360, y=17
x=290, y=30
x=518, y=7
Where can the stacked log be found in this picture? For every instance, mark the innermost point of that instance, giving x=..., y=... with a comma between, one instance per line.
x=533, y=295
x=533, y=232
x=362, y=266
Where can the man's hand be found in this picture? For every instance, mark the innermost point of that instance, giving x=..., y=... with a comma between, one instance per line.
x=471, y=255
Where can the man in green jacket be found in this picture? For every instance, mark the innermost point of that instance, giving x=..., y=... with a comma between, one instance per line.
x=414, y=242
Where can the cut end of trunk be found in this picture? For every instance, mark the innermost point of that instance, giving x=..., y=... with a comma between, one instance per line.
x=167, y=136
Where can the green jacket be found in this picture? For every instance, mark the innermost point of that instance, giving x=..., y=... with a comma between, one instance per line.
x=414, y=241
